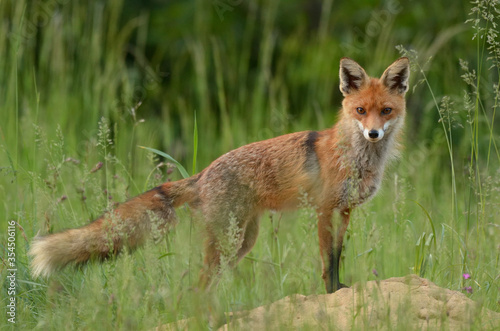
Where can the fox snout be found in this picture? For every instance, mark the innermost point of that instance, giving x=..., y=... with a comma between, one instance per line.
x=373, y=134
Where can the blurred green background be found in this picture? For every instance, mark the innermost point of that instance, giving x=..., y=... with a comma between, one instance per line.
x=84, y=83
x=251, y=70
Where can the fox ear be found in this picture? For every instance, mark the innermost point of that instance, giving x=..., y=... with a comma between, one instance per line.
x=352, y=76
x=396, y=76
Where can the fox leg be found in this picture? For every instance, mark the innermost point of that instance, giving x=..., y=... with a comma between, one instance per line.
x=211, y=263
x=331, y=237
x=215, y=250
x=250, y=237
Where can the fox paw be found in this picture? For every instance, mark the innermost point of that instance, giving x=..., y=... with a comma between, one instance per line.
x=339, y=286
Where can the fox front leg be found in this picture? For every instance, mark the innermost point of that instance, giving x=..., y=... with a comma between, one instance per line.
x=331, y=236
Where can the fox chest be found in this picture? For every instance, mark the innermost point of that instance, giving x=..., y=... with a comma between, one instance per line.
x=357, y=189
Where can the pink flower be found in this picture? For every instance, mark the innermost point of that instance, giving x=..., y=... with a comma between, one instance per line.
x=467, y=289
x=466, y=276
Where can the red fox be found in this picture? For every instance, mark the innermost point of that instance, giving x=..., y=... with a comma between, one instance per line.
x=337, y=168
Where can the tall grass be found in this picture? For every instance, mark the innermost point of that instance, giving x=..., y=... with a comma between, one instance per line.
x=81, y=91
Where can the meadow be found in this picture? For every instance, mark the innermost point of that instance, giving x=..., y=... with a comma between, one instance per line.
x=84, y=85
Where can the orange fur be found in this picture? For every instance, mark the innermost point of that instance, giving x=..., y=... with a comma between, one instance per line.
x=337, y=168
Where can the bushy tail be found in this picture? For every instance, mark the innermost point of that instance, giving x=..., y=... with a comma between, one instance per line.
x=129, y=225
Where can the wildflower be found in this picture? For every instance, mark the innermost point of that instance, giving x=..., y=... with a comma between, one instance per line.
x=466, y=276
x=467, y=289
x=374, y=271
x=72, y=160
x=97, y=167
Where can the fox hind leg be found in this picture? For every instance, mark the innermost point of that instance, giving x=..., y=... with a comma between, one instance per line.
x=224, y=249
x=250, y=237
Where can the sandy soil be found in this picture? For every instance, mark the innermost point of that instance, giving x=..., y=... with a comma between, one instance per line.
x=404, y=303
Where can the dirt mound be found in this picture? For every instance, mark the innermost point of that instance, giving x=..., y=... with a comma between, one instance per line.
x=397, y=303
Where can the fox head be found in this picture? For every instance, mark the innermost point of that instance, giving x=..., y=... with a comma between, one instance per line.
x=376, y=106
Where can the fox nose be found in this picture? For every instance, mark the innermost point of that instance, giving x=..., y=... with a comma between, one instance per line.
x=373, y=134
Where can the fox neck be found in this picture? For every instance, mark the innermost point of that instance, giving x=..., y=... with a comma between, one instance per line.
x=367, y=158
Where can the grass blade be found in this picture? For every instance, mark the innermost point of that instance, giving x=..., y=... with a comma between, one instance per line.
x=179, y=166
x=195, y=143
x=430, y=221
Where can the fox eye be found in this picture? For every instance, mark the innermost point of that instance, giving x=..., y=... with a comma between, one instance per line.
x=386, y=111
x=361, y=110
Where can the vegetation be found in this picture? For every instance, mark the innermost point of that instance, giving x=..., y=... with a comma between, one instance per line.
x=85, y=83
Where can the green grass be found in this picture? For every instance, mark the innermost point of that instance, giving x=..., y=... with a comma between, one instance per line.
x=85, y=89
